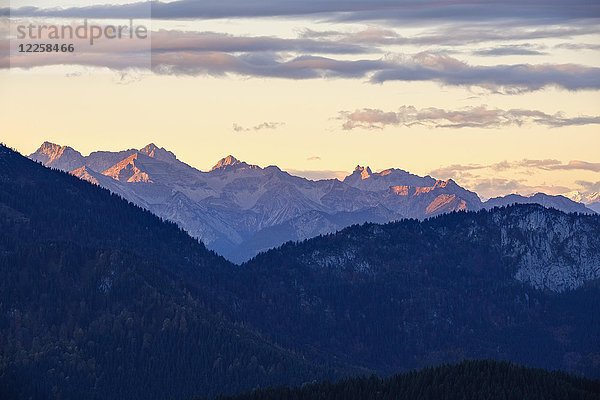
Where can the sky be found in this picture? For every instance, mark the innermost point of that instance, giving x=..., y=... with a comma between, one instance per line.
x=503, y=96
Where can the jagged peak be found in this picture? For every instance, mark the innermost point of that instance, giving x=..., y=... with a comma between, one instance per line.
x=49, y=152
x=48, y=144
x=442, y=184
x=390, y=171
x=364, y=172
x=159, y=153
x=228, y=162
x=149, y=148
x=49, y=147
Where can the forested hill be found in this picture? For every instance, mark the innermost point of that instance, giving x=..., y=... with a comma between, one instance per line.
x=517, y=283
x=471, y=380
x=102, y=300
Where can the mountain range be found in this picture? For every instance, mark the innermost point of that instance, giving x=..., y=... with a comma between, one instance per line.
x=239, y=209
x=101, y=299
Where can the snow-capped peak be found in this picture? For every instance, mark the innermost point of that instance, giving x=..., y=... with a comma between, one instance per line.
x=585, y=198
x=575, y=195
x=593, y=197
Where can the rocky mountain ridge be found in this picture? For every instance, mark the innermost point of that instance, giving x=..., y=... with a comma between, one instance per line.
x=239, y=209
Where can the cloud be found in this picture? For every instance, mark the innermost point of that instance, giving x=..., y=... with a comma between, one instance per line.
x=170, y=41
x=513, y=78
x=578, y=165
x=470, y=117
x=509, y=50
x=209, y=53
x=589, y=187
x=411, y=11
x=456, y=34
x=263, y=65
x=457, y=170
x=259, y=127
x=578, y=46
x=420, y=67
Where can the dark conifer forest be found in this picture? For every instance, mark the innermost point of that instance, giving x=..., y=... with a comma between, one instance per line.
x=470, y=380
x=100, y=299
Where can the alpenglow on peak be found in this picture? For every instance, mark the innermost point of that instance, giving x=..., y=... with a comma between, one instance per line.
x=365, y=172
x=159, y=153
x=226, y=162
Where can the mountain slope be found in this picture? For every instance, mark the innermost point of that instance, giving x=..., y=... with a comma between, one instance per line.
x=471, y=380
x=511, y=283
x=100, y=299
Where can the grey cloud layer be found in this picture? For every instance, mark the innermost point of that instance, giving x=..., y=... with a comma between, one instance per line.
x=590, y=187
x=168, y=41
x=459, y=34
x=189, y=57
x=263, y=65
x=502, y=78
x=471, y=117
x=326, y=54
x=510, y=50
x=406, y=11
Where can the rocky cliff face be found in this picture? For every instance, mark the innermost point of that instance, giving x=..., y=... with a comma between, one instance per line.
x=552, y=251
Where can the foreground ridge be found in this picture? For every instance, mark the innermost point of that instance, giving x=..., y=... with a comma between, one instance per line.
x=470, y=380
